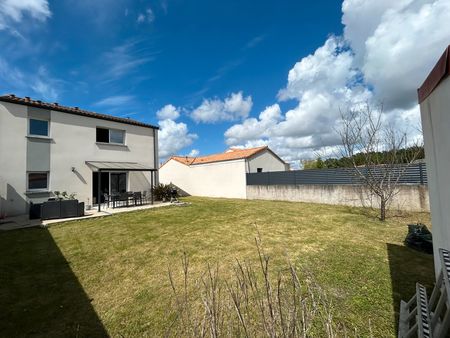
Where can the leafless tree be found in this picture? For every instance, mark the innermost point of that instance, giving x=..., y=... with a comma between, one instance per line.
x=376, y=151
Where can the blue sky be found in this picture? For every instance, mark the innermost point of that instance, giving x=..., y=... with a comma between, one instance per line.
x=217, y=64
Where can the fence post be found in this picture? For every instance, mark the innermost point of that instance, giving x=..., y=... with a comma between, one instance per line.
x=421, y=173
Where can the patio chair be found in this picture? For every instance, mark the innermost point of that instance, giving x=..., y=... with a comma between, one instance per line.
x=147, y=196
x=107, y=199
x=137, y=196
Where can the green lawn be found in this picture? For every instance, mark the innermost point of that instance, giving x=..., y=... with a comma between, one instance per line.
x=108, y=276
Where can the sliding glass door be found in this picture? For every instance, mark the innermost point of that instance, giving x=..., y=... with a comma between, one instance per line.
x=118, y=182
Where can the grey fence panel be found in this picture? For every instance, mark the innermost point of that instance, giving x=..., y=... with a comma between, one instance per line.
x=413, y=174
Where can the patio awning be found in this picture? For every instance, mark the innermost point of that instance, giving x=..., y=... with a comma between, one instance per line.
x=118, y=166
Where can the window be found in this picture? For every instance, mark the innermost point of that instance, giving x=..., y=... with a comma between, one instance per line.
x=116, y=136
x=259, y=170
x=102, y=135
x=38, y=181
x=105, y=135
x=38, y=127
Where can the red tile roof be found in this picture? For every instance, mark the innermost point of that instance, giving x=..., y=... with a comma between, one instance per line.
x=231, y=154
x=70, y=110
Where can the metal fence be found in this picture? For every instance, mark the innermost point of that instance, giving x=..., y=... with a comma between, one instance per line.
x=414, y=174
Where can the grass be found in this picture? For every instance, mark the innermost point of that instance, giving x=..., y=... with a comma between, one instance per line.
x=109, y=276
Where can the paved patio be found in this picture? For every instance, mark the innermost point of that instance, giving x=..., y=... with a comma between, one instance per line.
x=20, y=222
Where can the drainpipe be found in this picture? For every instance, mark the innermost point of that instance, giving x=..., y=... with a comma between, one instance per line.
x=98, y=189
x=155, y=154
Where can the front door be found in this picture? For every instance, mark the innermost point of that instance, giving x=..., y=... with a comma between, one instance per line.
x=118, y=183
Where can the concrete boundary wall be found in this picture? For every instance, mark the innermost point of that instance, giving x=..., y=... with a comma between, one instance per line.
x=412, y=197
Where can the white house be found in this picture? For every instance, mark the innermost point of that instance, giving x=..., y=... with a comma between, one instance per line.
x=46, y=147
x=434, y=99
x=219, y=175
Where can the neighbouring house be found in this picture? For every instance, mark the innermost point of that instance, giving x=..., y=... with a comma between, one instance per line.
x=434, y=99
x=47, y=147
x=219, y=175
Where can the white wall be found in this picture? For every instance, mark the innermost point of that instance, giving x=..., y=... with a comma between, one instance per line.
x=435, y=113
x=219, y=179
x=265, y=160
x=13, y=146
x=73, y=143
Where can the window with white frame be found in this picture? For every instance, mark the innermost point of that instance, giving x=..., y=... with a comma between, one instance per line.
x=114, y=136
x=38, y=127
x=37, y=181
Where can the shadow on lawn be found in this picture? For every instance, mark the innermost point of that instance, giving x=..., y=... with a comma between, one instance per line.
x=407, y=267
x=39, y=293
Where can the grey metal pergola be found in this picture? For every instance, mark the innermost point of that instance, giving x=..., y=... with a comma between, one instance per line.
x=101, y=166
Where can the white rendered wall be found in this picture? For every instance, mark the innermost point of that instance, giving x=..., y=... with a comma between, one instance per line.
x=265, y=160
x=74, y=144
x=435, y=113
x=13, y=147
x=219, y=179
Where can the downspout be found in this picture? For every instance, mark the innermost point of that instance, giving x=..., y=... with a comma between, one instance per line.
x=155, y=155
x=99, y=199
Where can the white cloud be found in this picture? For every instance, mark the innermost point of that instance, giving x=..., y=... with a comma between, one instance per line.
x=323, y=83
x=117, y=100
x=386, y=52
x=328, y=68
x=173, y=137
x=148, y=16
x=234, y=107
x=405, y=46
x=40, y=83
x=12, y=12
x=168, y=112
x=140, y=18
x=252, y=128
x=124, y=59
x=194, y=153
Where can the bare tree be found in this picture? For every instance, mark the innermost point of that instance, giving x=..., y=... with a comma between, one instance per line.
x=379, y=153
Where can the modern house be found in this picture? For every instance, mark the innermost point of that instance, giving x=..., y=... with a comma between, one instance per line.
x=47, y=147
x=434, y=99
x=219, y=175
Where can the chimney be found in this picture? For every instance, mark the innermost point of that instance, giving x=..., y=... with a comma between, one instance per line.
x=27, y=98
x=76, y=108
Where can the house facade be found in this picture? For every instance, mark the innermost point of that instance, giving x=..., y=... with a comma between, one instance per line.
x=46, y=147
x=219, y=175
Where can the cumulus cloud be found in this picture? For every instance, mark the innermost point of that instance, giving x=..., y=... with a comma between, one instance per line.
x=385, y=53
x=252, y=128
x=323, y=83
x=403, y=49
x=194, y=153
x=232, y=108
x=173, y=137
x=168, y=112
x=12, y=12
x=328, y=68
